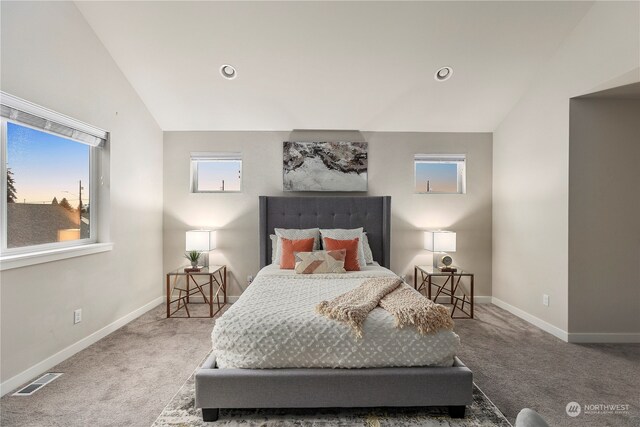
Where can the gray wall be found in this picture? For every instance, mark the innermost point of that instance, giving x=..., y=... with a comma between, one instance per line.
x=390, y=173
x=50, y=56
x=531, y=163
x=604, y=216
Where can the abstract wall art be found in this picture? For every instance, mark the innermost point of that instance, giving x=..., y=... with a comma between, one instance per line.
x=325, y=166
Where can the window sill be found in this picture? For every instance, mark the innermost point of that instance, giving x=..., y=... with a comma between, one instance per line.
x=32, y=258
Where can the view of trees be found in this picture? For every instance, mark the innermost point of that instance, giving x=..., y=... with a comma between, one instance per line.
x=65, y=204
x=12, y=196
x=11, y=187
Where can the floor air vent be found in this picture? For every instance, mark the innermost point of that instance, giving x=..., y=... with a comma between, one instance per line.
x=29, y=389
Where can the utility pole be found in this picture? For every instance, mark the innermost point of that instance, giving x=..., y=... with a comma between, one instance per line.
x=428, y=186
x=80, y=204
x=80, y=196
x=222, y=185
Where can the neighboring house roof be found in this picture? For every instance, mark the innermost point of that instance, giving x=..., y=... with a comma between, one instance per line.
x=31, y=224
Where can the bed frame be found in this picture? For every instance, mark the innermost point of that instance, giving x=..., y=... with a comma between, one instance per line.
x=331, y=388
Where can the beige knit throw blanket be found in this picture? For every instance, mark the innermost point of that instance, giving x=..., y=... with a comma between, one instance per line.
x=392, y=294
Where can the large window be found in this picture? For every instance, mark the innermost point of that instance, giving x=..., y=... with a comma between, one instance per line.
x=49, y=188
x=444, y=174
x=216, y=172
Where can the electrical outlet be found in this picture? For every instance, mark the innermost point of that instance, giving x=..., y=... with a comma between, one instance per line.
x=249, y=279
x=545, y=299
x=77, y=316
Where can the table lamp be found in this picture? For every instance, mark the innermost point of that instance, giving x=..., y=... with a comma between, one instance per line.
x=440, y=241
x=202, y=241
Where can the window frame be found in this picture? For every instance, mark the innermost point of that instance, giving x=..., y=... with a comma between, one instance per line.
x=93, y=199
x=197, y=157
x=461, y=172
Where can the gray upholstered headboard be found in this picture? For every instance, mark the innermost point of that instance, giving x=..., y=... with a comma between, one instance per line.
x=372, y=213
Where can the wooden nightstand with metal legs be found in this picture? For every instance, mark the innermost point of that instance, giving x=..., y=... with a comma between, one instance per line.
x=450, y=292
x=215, y=277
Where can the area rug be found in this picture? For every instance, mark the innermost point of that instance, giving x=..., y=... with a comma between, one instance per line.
x=181, y=412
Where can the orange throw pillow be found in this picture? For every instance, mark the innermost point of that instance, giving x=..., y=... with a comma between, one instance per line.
x=351, y=246
x=289, y=247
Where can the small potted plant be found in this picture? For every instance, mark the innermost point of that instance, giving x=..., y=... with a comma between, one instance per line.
x=193, y=257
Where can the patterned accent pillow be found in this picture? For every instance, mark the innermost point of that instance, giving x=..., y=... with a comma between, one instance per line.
x=368, y=255
x=290, y=247
x=295, y=234
x=342, y=234
x=320, y=262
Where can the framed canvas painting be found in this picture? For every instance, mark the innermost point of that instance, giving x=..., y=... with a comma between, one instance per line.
x=324, y=166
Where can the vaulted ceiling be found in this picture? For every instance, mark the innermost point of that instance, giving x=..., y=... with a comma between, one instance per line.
x=332, y=65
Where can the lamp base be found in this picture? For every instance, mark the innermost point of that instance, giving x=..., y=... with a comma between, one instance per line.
x=448, y=269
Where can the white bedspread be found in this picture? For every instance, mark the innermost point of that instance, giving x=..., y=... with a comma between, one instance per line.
x=274, y=325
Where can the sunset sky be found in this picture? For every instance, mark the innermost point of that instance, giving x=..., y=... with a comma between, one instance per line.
x=45, y=166
x=443, y=177
x=211, y=174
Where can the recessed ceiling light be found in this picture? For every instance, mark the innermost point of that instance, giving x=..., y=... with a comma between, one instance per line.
x=443, y=74
x=228, y=72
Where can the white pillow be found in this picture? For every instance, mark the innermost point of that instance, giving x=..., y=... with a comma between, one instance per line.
x=368, y=255
x=341, y=234
x=295, y=234
x=274, y=246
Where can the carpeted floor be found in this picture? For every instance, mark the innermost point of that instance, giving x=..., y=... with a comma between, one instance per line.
x=518, y=365
x=128, y=378
x=122, y=380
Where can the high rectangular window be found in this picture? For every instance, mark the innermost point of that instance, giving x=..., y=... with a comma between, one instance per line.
x=216, y=172
x=440, y=173
x=48, y=178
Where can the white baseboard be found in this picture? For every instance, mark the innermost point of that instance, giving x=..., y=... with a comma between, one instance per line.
x=604, y=337
x=572, y=337
x=535, y=321
x=64, y=354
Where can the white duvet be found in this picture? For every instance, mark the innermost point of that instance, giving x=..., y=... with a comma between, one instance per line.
x=274, y=325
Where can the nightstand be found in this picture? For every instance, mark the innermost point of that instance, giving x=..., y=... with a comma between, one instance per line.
x=214, y=276
x=453, y=287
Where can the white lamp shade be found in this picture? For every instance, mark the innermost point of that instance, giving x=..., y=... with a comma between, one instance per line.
x=440, y=241
x=201, y=240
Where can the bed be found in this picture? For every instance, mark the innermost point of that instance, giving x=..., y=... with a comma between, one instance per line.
x=267, y=368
